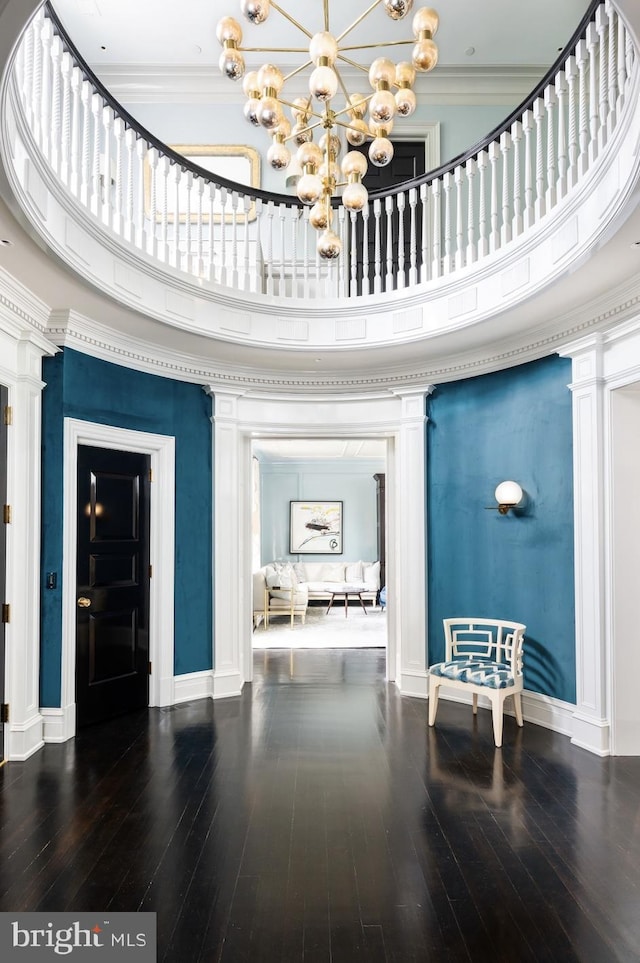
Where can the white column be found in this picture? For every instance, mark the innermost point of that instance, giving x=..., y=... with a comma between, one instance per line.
x=408, y=567
x=591, y=725
x=230, y=607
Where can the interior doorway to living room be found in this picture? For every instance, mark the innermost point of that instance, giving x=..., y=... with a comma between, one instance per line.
x=319, y=543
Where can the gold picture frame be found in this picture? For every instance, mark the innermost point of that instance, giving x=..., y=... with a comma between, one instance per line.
x=235, y=162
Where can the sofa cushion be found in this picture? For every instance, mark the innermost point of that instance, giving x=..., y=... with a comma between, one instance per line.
x=353, y=572
x=493, y=675
x=332, y=573
x=280, y=574
x=371, y=574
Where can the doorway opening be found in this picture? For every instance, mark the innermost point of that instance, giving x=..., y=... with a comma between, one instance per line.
x=318, y=527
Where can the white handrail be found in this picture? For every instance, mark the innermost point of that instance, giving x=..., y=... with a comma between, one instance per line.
x=231, y=237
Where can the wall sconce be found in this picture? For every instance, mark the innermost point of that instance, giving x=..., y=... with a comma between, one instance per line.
x=508, y=495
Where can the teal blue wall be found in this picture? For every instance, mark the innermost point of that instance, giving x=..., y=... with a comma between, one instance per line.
x=515, y=424
x=349, y=481
x=79, y=386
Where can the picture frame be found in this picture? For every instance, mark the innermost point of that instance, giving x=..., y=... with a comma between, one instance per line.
x=236, y=162
x=315, y=527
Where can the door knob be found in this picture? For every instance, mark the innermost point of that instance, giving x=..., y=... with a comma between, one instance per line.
x=84, y=603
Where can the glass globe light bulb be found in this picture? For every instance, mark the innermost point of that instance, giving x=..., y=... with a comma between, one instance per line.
x=300, y=109
x=329, y=245
x=251, y=111
x=269, y=113
x=334, y=144
x=256, y=11
x=278, y=156
x=301, y=135
x=382, y=71
x=329, y=171
x=250, y=85
x=323, y=83
x=357, y=132
x=381, y=152
x=426, y=19
x=309, y=188
x=354, y=163
x=405, y=74
x=355, y=196
x=397, y=9
x=382, y=107
x=405, y=101
x=270, y=76
x=425, y=55
x=309, y=153
x=323, y=47
x=318, y=216
x=228, y=29
x=231, y=63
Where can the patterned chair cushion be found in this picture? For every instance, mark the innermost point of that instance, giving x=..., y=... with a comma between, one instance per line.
x=494, y=675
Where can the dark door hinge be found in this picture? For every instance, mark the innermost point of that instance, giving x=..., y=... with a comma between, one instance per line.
x=6, y=514
x=6, y=612
x=151, y=571
x=149, y=667
x=151, y=474
x=8, y=415
x=4, y=712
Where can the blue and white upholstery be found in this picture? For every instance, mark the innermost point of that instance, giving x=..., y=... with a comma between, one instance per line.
x=483, y=657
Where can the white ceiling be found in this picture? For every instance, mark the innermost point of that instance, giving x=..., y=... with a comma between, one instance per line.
x=500, y=32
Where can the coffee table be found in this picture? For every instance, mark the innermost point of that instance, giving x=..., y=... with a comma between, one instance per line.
x=348, y=590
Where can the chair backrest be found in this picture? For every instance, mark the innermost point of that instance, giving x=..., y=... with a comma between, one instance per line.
x=495, y=640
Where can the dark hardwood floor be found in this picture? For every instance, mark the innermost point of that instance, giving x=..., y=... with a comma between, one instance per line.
x=317, y=818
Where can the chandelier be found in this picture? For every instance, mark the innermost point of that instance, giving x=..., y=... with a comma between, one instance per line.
x=362, y=117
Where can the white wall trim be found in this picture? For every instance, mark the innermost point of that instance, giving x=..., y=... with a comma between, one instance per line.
x=161, y=449
x=541, y=710
x=193, y=685
x=59, y=724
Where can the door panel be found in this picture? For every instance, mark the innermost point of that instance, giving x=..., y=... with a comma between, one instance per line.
x=112, y=675
x=4, y=396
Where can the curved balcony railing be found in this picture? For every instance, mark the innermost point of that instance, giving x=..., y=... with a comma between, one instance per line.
x=226, y=234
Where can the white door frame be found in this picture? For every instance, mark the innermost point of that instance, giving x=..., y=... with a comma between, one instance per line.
x=161, y=449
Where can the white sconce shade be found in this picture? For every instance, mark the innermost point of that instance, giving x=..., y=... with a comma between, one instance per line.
x=508, y=494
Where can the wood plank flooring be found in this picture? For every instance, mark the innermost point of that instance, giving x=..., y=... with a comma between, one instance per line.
x=316, y=818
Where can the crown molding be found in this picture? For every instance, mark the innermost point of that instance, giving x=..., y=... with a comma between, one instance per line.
x=187, y=84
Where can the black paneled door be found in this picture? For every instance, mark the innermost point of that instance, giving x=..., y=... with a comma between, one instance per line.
x=3, y=547
x=112, y=600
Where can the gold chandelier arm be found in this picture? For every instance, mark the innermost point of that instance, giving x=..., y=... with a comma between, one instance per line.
x=359, y=19
x=308, y=127
x=347, y=126
x=326, y=15
x=304, y=50
x=381, y=43
x=298, y=70
x=312, y=113
x=352, y=63
x=288, y=17
x=342, y=85
x=351, y=106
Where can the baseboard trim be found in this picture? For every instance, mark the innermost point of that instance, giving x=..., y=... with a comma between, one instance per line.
x=192, y=685
x=25, y=738
x=414, y=684
x=226, y=684
x=594, y=735
x=541, y=710
x=59, y=724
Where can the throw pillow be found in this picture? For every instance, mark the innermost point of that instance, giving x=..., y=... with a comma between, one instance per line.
x=332, y=573
x=299, y=569
x=371, y=574
x=353, y=572
x=286, y=575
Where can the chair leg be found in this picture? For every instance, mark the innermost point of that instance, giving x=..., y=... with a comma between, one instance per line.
x=475, y=703
x=517, y=705
x=434, y=691
x=496, y=711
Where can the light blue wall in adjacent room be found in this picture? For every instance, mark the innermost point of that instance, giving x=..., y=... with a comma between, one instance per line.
x=514, y=424
x=79, y=386
x=349, y=481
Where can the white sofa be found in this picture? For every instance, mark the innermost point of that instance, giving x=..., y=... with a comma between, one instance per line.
x=292, y=585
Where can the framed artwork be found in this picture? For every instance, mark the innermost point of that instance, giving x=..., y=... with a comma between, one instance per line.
x=233, y=161
x=315, y=528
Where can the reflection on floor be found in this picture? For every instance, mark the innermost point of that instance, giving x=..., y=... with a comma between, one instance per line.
x=316, y=818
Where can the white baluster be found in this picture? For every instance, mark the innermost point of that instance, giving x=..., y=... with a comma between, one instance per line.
x=282, y=214
x=621, y=66
x=233, y=279
x=224, y=266
x=353, y=256
x=612, y=66
x=592, y=47
x=413, y=256
x=152, y=186
x=96, y=110
x=187, y=182
x=118, y=136
x=538, y=116
x=107, y=126
x=471, y=250
x=198, y=268
x=56, y=109
x=247, y=284
x=483, y=241
x=494, y=203
x=425, y=261
x=582, y=60
x=76, y=137
x=28, y=62
x=141, y=233
x=458, y=176
x=66, y=68
x=36, y=100
x=571, y=73
x=129, y=143
x=292, y=214
x=447, y=261
x=377, y=277
x=516, y=140
x=550, y=102
x=505, y=225
x=400, y=277
x=436, y=193
x=389, y=277
x=45, y=102
x=603, y=102
x=305, y=247
x=365, y=249
x=211, y=267
x=527, y=127
x=343, y=288
x=563, y=162
x=270, y=216
x=629, y=56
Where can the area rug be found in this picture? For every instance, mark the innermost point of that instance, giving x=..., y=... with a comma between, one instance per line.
x=320, y=631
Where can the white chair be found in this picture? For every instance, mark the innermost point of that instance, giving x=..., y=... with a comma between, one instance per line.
x=483, y=657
